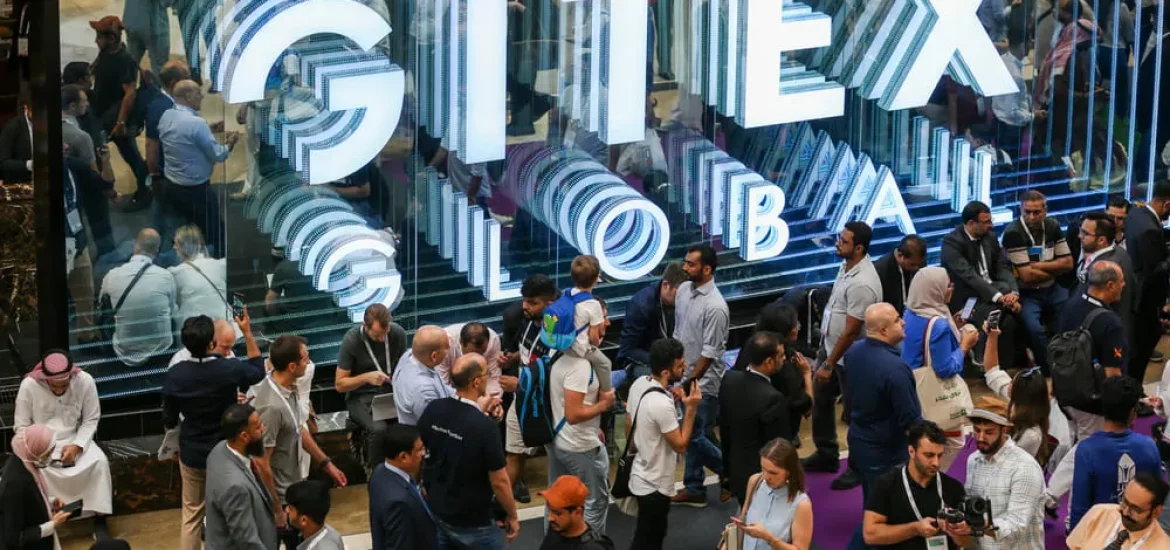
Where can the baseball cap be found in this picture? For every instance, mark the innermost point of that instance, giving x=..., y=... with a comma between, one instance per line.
x=992, y=409
x=110, y=24
x=566, y=492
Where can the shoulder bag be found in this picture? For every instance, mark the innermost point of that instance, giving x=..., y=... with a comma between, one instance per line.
x=620, y=491
x=108, y=316
x=944, y=402
x=222, y=298
x=732, y=538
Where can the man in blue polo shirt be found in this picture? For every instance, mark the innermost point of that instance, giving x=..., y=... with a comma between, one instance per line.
x=201, y=389
x=881, y=397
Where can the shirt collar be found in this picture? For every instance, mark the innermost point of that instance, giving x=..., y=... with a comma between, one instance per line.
x=995, y=458
x=140, y=258
x=245, y=461
x=309, y=541
x=1154, y=212
x=402, y=473
x=758, y=373
x=1090, y=256
x=182, y=107
x=70, y=120
x=286, y=393
x=704, y=288
x=970, y=237
x=856, y=267
x=467, y=401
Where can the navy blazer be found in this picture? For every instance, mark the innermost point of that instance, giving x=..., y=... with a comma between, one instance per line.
x=398, y=519
x=644, y=323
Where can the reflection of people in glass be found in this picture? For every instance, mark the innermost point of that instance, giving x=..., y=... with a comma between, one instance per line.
x=148, y=31
x=356, y=190
x=115, y=87
x=142, y=326
x=190, y=154
x=200, y=281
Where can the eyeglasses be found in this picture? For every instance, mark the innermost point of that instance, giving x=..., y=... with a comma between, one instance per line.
x=1125, y=505
x=1087, y=234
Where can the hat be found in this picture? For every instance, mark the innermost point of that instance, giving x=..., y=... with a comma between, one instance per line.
x=55, y=366
x=992, y=409
x=566, y=492
x=108, y=24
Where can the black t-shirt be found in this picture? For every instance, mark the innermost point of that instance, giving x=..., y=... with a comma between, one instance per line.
x=888, y=498
x=463, y=447
x=589, y=540
x=110, y=72
x=1110, y=346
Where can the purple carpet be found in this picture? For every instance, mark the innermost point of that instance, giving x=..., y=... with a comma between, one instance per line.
x=838, y=513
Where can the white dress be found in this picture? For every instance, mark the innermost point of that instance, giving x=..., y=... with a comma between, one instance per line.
x=73, y=416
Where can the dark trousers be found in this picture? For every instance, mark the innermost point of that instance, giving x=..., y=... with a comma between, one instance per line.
x=824, y=417
x=1147, y=331
x=358, y=407
x=97, y=215
x=199, y=205
x=650, y=531
x=128, y=148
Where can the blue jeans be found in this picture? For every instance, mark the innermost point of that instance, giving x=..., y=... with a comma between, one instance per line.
x=869, y=477
x=702, y=450
x=488, y=537
x=1034, y=303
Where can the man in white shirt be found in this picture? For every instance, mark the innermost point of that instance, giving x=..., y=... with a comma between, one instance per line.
x=658, y=438
x=60, y=395
x=142, y=325
x=225, y=339
x=578, y=449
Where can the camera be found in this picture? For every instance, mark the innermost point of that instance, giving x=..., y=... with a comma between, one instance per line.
x=976, y=511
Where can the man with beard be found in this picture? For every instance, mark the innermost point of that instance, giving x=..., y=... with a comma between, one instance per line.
x=1039, y=254
x=899, y=514
x=896, y=270
x=1132, y=520
x=566, y=521
x=856, y=288
x=239, y=509
x=520, y=342
x=1008, y=477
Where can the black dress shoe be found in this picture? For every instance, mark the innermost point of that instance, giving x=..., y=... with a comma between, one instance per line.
x=137, y=203
x=846, y=481
x=520, y=493
x=821, y=463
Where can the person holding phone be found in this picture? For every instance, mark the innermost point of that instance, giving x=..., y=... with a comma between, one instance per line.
x=778, y=514
x=29, y=515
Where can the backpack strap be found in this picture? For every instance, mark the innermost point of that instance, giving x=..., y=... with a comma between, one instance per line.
x=126, y=292
x=1088, y=320
x=564, y=419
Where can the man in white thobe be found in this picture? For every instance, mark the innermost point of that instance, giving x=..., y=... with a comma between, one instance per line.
x=60, y=395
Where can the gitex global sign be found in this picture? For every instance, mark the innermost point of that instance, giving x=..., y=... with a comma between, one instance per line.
x=352, y=97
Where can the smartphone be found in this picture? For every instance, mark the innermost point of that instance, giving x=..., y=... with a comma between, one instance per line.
x=73, y=508
x=238, y=304
x=968, y=308
x=993, y=319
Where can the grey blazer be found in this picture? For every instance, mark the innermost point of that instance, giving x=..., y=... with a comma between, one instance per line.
x=239, y=512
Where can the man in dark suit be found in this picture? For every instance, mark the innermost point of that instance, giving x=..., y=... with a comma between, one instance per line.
x=240, y=513
x=977, y=268
x=1145, y=240
x=399, y=517
x=16, y=146
x=753, y=412
x=1096, y=240
x=897, y=269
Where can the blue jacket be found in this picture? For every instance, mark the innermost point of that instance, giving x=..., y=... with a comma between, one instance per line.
x=1105, y=463
x=398, y=519
x=882, y=398
x=643, y=324
x=945, y=352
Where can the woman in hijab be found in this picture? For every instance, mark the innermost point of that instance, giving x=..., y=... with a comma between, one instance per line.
x=30, y=516
x=933, y=337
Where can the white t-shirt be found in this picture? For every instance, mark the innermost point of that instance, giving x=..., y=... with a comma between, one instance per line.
x=586, y=314
x=655, y=462
x=574, y=374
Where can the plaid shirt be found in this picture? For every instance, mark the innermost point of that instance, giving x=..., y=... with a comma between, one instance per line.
x=1013, y=482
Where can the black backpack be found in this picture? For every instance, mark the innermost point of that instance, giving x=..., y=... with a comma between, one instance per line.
x=1076, y=378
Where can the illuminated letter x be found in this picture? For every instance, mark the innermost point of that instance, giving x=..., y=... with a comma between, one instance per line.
x=955, y=37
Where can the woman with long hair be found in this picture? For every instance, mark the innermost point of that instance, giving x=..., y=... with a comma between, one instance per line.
x=1030, y=405
x=778, y=514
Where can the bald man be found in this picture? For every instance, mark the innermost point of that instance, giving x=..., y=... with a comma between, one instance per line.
x=881, y=399
x=416, y=382
x=142, y=325
x=225, y=340
x=190, y=153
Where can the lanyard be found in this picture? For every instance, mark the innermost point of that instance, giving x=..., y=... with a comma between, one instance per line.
x=1139, y=543
x=291, y=410
x=1092, y=300
x=662, y=322
x=1043, y=235
x=910, y=497
x=902, y=274
x=316, y=539
x=369, y=350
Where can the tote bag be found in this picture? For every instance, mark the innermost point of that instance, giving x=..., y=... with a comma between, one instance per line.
x=945, y=402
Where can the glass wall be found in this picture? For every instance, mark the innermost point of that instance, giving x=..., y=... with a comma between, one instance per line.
x=431, y=154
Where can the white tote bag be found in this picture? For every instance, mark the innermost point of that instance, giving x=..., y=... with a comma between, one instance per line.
x=944, y=402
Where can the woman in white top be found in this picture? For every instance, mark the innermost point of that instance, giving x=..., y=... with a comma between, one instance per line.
x=200, y=281
x=778, y=513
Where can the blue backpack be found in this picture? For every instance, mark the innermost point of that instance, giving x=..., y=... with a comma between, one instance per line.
x=534, y=401
x=558, y=332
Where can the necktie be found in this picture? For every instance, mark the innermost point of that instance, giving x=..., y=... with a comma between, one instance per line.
x=1081, y=269
x=417, y=493
x=1122, y=536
